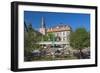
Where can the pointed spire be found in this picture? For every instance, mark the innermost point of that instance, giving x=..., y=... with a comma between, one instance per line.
x=43, y=23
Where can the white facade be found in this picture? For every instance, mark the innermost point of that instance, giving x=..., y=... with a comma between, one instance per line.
x=61, y=32
x=64, y=35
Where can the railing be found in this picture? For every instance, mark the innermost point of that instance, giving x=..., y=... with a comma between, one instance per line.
x=50, y=42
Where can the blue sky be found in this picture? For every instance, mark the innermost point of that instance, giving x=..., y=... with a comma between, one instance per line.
x=75, y=20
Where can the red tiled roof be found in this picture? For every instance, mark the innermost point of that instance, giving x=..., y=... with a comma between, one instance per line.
x=59, y=28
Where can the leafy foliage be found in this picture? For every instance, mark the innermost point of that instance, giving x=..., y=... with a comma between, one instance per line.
x=30, y=39
x=51, y=36
x=80, y=39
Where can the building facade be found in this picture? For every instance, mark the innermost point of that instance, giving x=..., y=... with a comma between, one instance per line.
x=42, y=29
x=61, y=31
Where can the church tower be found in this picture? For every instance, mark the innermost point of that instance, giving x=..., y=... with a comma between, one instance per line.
x=43, y=26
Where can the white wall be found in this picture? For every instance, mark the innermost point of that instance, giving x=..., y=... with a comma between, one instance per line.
x=5, y=35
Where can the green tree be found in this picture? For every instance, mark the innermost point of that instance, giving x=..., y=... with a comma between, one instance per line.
x=51, y=36
x=45, y=38
x=80, y=39
x=31, y=37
